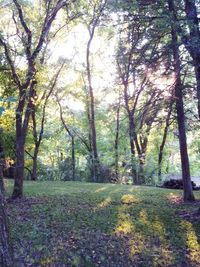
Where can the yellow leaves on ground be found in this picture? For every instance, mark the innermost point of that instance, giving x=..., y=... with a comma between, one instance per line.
x=129, y=199
x=137, y=240
x=193, y=245
x=125, y=225
x=106, y=202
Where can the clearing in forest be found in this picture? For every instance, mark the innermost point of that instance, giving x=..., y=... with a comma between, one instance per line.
x=84, y=224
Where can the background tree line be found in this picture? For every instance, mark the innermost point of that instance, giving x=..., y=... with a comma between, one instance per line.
x=100, y=90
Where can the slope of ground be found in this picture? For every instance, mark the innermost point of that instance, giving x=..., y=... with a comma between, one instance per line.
x=83, y=224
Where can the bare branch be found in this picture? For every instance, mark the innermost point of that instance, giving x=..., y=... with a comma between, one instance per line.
x=10, y=62
x=26, y=29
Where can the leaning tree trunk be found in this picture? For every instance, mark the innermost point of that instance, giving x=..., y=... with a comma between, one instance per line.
x=39, y=136
x=160, y=155
x=71, y=134
x=187, y=186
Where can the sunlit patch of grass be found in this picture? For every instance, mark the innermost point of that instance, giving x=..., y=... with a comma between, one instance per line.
x=100, y=189
x=106, y=202
x=143, y=217
x=193, y=245
x=129, y=199
x=174, y=198
x=154, y=232
x=125, y=225
x=158, y=228
x=155, y=226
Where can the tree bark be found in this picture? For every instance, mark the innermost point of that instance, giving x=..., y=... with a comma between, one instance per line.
x=117, y=145
x=98, y=9
x=6, y=250
x=142, y=157
x=34, y=167
x=192, y=43
x=2, y=161
x=21, y=132
x=73, y=159
x=90, y=159
x=187, y=186
x=132, y=146
x=160, y=155
x=95, y=158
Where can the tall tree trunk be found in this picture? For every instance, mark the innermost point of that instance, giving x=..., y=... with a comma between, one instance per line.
x=141, y=174
x=2, y=161
x=34, y=167
x=90, y=160
x=6, y=250
x=193, y=42
x=21, y=132
x=187, y=186
x=73, y=160
x=117, y=145
x=141, y=158
x=132, y=146
x=160, y=155
x=19, y=171
x=142, y=161
x=20, y=147
x=98, y=9
x=95, y=158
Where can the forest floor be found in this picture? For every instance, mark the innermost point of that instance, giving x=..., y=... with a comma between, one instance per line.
x=83, y=224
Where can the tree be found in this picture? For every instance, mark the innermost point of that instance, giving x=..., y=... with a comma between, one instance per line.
x=72, y=136
x=142, y=98
x=178, y=91
x=38, y=135
x=117, y=140
x=192, y=42
x=6, y=250
x=98, y=9
x=164, y=139
x=32, y=46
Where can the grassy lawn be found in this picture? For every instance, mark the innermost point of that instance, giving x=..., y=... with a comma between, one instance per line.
x=84, y=224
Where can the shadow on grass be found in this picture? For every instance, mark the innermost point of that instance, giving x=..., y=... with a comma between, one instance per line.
x=110, y=226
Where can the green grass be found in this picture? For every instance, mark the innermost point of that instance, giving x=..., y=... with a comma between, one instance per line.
x=84, y=224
